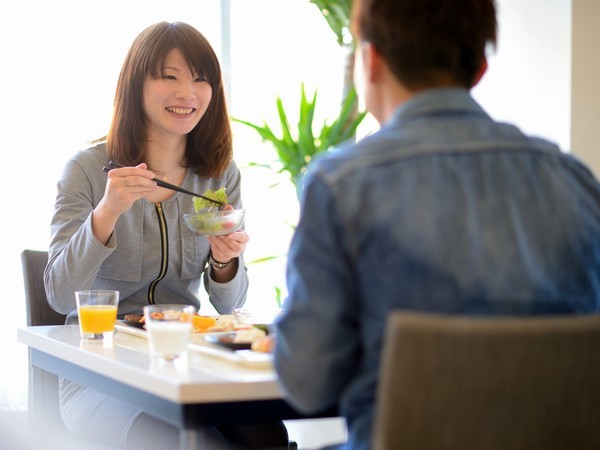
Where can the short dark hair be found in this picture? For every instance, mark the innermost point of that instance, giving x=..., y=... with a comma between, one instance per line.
x=428, y=42
x=209, y=148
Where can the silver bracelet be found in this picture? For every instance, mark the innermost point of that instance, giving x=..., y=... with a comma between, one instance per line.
x=218, y=265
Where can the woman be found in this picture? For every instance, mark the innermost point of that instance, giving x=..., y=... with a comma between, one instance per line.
x=121, y=231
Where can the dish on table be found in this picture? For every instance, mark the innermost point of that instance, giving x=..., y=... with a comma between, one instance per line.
x=245, y=357
x=263, y=318
x=202, y=324
x=209, y=344
x=228, y=341
x=131, y=327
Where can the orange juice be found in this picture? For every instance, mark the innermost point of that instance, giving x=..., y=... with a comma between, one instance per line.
x=96, y=319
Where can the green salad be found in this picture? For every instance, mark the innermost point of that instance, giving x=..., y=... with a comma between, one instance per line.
x=219, y=195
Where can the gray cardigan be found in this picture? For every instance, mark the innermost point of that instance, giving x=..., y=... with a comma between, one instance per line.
x=131, y=259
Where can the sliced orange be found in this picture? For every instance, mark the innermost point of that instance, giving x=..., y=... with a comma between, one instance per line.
x=201, y=323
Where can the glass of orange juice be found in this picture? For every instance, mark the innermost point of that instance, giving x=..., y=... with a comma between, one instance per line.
x=97, y=310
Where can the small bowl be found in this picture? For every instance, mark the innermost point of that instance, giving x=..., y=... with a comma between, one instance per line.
x=246, y=316
x=214, y=223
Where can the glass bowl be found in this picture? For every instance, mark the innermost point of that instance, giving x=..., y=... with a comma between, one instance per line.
x=214, y=223
x=247, y=316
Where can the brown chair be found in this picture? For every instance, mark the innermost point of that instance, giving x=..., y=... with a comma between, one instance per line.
x=455, y=382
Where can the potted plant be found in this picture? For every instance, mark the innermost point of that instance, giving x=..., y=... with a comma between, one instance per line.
x=296, y=147
x=337, y=14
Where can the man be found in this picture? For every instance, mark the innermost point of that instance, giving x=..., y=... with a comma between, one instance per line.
x=442, y=210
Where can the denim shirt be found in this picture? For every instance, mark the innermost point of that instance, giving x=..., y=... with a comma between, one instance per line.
x=442, y=210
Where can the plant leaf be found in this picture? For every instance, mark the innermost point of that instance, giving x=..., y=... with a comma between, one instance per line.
x=295, y=153
x=306, y=140
x=337, y=15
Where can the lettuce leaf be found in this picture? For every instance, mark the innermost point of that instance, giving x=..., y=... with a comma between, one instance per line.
x=219, y=195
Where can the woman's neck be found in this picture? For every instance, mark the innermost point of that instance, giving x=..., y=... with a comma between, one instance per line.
x=166, y=158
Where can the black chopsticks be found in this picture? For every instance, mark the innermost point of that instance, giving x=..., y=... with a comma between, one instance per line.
x=161, y=183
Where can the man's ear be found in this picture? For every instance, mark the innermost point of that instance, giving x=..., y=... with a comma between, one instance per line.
x=480, y=73
x=373, y=62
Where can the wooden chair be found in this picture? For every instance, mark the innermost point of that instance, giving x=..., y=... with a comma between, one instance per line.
x=451, y=382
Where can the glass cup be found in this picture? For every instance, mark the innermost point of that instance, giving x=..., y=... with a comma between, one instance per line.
x=97, y=310
x=249, y=317
x=168, y=328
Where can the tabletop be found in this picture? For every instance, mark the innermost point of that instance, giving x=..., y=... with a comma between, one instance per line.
x=205, y=388
x=205, y=378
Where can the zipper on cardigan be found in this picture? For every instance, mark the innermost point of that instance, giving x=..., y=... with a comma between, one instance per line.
x=164, y=247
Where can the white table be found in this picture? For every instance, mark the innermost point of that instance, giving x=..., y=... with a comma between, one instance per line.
x=206, y=390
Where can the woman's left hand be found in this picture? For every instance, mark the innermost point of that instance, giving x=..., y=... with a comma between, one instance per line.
x=226, y=247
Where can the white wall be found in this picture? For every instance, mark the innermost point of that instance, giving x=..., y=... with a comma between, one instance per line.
x=529, y=78
x=585, y=99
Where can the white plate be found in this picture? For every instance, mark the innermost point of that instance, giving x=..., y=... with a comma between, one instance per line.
x=134, y=330
x=203, y=345
x=246, y=357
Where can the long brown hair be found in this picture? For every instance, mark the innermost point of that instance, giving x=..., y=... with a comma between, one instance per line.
x=427, y=42
x=209, y=145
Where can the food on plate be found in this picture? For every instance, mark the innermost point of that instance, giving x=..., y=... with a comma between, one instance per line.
x=201, y=324
x=258, y=337
x=219, y=195
x=265, y=344
x=249, y=335
x=133, y=318
x=222, y=324
x=249, y=338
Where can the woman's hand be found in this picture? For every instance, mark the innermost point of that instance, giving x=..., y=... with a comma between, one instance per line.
x=226, y=247
x=123, y=187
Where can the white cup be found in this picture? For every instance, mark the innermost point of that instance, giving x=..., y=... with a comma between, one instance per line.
x=168, y=328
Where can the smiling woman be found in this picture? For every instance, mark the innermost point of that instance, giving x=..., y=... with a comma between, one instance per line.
x=61, y=98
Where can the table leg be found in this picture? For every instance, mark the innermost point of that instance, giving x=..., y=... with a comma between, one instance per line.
x=43, y=411
x=205, y=438
x=192, y=440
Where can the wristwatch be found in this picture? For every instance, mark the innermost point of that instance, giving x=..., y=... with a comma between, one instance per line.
x=218, y=265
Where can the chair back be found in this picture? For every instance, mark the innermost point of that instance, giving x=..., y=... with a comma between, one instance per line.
x=39, y=311
x=455, y=382
x=43, y=402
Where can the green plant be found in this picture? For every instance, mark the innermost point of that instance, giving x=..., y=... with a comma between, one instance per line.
x=296, y=148
x=337, y=15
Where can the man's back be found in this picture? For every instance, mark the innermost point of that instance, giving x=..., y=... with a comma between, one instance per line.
x=443, y=210
x=471, y=216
